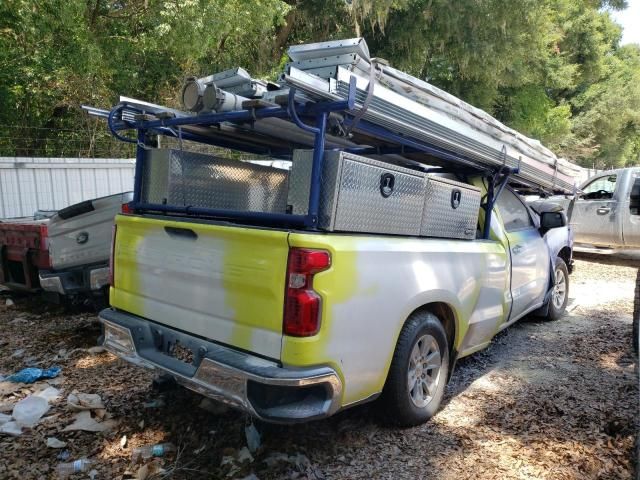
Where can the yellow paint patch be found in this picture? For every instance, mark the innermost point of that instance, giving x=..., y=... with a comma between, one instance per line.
x=255, y=265
x=129, y=234
x=244, y=269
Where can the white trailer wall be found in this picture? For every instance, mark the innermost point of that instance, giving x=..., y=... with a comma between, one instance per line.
x=30, y=184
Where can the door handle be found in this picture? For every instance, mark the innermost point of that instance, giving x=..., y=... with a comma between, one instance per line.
x=517, y=249
x=185, y=233
x=603, y=210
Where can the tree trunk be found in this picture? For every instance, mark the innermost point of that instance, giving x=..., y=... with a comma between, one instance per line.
x=283, y=32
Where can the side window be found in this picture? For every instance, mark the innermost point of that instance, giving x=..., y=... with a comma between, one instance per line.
x=513, y=212
x=634, y=197
x=601, y=188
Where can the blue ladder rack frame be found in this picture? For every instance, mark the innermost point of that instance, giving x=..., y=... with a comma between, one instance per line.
x=317, y=113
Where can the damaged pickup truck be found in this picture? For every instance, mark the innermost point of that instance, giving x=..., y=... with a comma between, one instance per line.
x=293, y=325
x=393, y=244
x=64, y=252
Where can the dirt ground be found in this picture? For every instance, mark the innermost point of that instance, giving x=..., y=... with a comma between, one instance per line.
x=552, y=400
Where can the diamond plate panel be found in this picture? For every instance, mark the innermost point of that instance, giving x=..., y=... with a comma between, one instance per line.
x=361, y=207
x=441, y=219
x=155, y=176
x=300, y=182
x=181, y=178
x=351, y=198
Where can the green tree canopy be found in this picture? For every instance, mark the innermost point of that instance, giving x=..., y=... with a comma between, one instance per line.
x=553, y=70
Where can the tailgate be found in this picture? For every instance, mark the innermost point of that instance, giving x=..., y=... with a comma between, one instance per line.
x=23, y=250
x=81, y=234
x=223, y=283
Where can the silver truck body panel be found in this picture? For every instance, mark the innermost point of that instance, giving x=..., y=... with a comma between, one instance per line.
x=608, y=222
x=86, y=238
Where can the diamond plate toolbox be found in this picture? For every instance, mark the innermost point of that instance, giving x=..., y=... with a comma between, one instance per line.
x=450, y=209
x=182, y=178
x=359, y=194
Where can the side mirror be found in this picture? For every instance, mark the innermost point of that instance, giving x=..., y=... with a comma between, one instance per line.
x=549, y=220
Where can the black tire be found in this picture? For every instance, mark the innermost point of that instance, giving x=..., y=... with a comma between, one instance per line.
x=556, y=311
x=398, y=406
x=636, y=314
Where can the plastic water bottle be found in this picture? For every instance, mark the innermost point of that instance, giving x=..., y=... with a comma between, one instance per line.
x=66, y=469
x=148, y=451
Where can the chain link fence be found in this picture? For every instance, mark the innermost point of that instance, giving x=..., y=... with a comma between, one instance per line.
x=92, y=142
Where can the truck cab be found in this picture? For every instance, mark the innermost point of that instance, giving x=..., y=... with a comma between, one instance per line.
x=607, y=212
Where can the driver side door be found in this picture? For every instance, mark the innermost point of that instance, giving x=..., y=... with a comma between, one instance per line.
x=594, y=212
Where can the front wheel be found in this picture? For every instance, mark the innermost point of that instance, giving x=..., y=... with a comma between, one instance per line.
x=419, y=370
x=560, y=291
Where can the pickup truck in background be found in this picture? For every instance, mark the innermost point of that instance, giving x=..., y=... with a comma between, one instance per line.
x=65, y=252
x=23, y=251
x=293, y=325
x=606, y=215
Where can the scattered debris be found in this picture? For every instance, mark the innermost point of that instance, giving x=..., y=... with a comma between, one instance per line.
x=30, y=410
x=546, y=400
x=84, y=401
x=64, y=470
x=234, y=462
x=96, y=350
x=149, y=470
x=253, y=437
x=18, y=353
x=148, y=451
x=8, y=388
x=244, y=455
x=53, y=442
x=64, y=455
x=50, y=394
x=11, y=428
x=31, y=375
x=123, y=442
x=85, y=422
x=9, y=303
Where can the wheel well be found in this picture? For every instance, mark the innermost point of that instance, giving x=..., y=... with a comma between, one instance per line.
x=446, y=316
x=565, y=254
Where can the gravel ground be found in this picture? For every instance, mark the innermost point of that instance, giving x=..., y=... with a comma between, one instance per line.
x=552, y=400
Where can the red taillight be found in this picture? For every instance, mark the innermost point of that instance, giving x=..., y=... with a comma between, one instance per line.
x=302, y=303
x=44, y=243
x=126, y=208
x=112, y=256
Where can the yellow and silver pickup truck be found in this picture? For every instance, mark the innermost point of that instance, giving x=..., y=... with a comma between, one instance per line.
x=292, y=324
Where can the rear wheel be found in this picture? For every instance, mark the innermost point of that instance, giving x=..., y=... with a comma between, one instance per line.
x=560, y=291
x=419, y=370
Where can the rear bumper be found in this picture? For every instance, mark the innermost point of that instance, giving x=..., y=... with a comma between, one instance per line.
x=74, y=281
x=255, y=385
